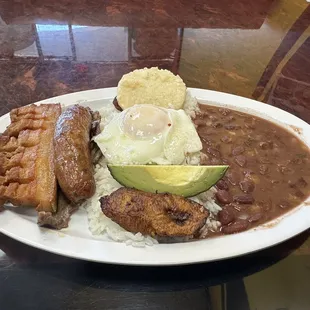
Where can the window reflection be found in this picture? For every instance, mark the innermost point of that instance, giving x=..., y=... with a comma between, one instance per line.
x=53, y=40
x=53, y=59
x=30, y=51
x=101, y=43
x=104, y=44
x=96, y=49
x=80, y=43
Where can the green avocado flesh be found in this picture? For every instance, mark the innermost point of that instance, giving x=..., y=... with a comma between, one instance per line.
x=185, y=181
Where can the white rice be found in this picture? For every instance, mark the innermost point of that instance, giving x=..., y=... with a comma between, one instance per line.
x=191, y=107
x=101, y=225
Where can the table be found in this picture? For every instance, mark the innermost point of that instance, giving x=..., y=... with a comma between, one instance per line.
x=256, y=49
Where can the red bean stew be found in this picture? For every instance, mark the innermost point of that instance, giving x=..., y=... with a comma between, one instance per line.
x=269, y=170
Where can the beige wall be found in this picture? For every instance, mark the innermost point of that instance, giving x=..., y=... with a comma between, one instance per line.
x=233, y=60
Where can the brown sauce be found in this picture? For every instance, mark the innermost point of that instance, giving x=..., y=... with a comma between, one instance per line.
x=269, y=170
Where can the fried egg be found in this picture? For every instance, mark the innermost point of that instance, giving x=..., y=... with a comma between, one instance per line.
x=148, y=134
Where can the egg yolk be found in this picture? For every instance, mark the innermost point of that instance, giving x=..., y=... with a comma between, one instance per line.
x=145, y=121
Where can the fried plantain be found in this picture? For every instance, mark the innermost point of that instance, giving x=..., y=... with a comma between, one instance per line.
x=158, y=215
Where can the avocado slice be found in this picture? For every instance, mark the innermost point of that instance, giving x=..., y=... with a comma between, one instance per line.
x=185, y=181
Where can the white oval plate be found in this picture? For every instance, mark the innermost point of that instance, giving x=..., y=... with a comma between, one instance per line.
x=76, y=241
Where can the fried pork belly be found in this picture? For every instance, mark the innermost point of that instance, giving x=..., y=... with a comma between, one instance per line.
x=27, y=176
x=158, y=215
